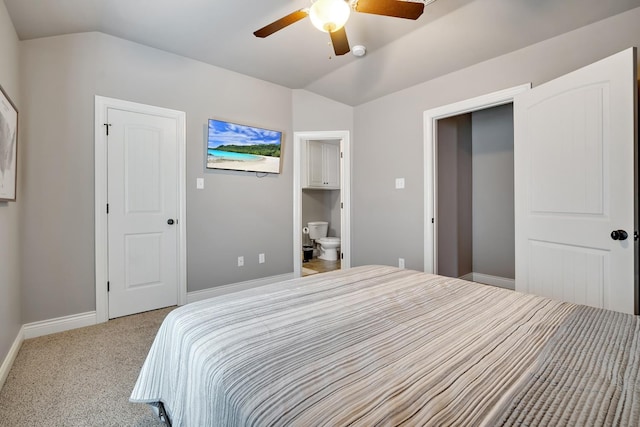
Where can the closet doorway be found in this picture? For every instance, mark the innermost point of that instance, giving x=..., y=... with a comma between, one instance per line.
x=469, y=203
x=575, y=185
x=474, y=184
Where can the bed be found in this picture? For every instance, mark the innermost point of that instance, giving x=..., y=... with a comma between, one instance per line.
x=378, y=345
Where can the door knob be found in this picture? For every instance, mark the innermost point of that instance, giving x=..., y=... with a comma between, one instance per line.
x=619, y=235
x=170, y=222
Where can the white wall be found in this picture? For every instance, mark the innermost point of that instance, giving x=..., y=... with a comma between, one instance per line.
x=10, y=308
x=388, y=223
x=236, y=214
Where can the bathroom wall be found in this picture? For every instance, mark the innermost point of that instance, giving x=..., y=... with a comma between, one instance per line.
x=332, y=200
x=322, y=205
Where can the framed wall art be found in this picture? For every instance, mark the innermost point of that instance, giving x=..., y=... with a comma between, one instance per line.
x=8, y=147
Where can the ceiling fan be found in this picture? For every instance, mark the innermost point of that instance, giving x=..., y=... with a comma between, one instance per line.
x=331, y=15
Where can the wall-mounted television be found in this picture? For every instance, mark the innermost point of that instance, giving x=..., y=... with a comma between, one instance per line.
x=239, y=147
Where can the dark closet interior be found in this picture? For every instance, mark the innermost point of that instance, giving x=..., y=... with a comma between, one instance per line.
x=475, y=196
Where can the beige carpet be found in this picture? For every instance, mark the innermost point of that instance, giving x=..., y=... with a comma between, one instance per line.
x=81, y=377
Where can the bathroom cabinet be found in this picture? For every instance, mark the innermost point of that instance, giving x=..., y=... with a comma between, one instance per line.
x=323, y=165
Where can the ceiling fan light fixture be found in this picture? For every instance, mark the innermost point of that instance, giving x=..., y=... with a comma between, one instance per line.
x=329, y=15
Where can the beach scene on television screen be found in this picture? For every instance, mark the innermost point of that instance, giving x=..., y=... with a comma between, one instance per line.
x=244, y=148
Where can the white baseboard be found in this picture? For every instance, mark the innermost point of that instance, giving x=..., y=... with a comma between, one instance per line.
x=487, y=279
x=38, y=329
x=66, y=323
x=235, y=287
x=11, y=357
x=468, y=276
x=60, y=324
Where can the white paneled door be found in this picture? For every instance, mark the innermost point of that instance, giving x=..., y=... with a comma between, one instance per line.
x=575, y=186
x=143, y=206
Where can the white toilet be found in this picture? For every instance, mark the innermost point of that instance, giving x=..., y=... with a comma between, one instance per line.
x=328, y=245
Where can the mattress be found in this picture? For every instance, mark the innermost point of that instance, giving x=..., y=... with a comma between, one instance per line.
x=378, y=345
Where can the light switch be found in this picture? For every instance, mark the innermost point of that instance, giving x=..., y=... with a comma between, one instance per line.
x=399, y=183
x=199, y=183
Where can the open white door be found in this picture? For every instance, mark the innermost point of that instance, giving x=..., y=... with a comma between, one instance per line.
x=575, y=181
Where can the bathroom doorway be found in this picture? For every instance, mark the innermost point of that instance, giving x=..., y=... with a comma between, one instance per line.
x=321, y=194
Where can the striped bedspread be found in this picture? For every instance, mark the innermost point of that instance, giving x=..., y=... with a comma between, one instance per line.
x=383, y=346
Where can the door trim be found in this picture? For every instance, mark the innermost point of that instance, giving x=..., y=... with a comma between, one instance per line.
x=430, y=120
x=102, y=104
x=345, y=194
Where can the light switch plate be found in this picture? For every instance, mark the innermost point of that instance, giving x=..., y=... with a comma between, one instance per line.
x=199, y=183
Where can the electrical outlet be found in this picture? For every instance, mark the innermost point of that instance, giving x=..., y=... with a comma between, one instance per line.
x=261, y=259
x=199, y=183
x=401, y=262
x=399, y=183
x=240, y=261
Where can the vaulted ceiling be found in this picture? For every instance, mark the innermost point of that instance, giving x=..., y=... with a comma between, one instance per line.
x=451, y=34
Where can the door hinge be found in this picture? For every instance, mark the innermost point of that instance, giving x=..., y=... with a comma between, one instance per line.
x=341, y=154
x=106, y=127
x=107, y=207
x=341, y=205
x=341, y=255
x=431, y=220
x=108, y=286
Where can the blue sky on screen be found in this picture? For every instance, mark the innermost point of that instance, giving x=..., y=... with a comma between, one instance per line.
x=225, y=133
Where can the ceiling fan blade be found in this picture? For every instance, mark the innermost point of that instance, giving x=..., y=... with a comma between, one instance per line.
x=281, y=23
x=340, y=42
x=394, y=8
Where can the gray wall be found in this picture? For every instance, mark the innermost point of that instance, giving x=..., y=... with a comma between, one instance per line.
x=454, y=217
x=465, y=188
x=10, y=317
x=236, y=214
x=312, y=112
x=493, y=216
x=388, y=223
